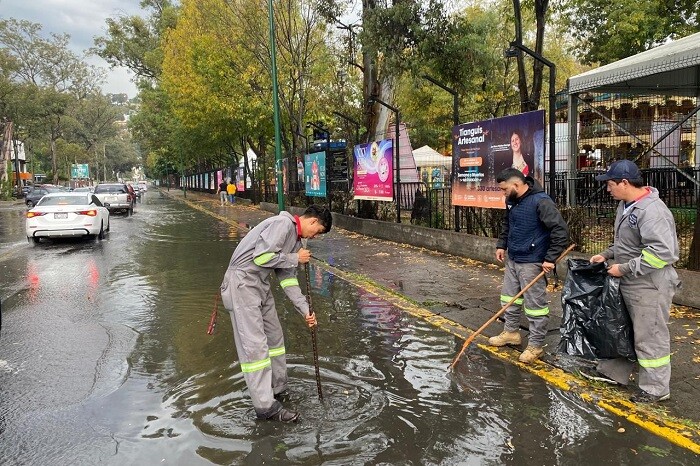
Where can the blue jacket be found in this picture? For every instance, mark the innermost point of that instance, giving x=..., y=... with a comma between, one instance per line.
x=533, y=229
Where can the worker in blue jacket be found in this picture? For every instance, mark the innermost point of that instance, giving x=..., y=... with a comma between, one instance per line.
x=533, y=236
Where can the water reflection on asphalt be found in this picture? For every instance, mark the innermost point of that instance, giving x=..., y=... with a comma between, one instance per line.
x=105, y=360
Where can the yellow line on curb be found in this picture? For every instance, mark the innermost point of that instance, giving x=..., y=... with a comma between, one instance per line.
x=672, y=429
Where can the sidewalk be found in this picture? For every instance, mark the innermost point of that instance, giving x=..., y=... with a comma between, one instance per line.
x=467, y=293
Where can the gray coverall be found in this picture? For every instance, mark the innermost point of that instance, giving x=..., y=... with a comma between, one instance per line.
x=245, y=292
x=646, y=246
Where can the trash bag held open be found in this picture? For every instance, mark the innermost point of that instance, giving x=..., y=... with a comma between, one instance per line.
x=595, y=323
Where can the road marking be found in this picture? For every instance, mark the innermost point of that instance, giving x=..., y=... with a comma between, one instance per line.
x=677, y=431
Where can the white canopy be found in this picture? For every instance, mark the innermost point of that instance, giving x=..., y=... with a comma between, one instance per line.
x=672, y=69
x=426, y=156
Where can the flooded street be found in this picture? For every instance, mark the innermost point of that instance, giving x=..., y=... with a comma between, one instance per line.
x=104, y=359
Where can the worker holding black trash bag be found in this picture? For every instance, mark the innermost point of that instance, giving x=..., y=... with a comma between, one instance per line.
x=644, y=250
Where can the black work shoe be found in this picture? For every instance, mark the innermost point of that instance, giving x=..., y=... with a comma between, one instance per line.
x=643, y=397
x=283, y=396
x=284, y=415
x=592, y=374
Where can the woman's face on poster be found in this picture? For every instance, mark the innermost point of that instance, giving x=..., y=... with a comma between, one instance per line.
x=515, y=142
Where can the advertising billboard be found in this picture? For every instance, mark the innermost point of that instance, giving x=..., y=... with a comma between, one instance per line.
x=373, y=169
x=482, y=149
x=315, y=174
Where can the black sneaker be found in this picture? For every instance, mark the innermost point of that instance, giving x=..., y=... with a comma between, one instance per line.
x=592, y=374
x=283, y=396
x=284, y=415
x=643, y=397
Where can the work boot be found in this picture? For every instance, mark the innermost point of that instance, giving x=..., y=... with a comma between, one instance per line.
x=283, y=396
x=284, y=415
x=531, y=354
x=644, y=397
x=505, y=338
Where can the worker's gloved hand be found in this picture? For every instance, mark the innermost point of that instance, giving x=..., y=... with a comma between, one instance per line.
x=311, y=320
x=304, y=255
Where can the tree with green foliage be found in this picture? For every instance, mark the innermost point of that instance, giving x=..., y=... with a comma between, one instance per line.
x=609, y=30
x=46, y=80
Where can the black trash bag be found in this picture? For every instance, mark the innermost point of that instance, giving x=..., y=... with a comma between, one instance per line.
x=595, y=324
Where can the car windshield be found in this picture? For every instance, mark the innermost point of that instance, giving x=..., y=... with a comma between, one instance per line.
x=63, y=200
x=110, y=188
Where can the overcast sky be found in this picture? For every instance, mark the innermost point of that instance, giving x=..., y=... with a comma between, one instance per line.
x=83, y=20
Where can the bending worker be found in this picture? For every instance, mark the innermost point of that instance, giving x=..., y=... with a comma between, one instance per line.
x=274, y=244
x=534, y=234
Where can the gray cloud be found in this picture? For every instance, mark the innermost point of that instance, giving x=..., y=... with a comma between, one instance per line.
x=83, y=20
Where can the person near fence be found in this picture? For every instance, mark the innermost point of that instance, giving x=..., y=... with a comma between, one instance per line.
x=231, y=191
x=644, y=249
x=534, y=234
x=273, y=245
x=222, y=192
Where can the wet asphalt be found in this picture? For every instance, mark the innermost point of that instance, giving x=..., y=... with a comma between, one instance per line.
x=104, y=358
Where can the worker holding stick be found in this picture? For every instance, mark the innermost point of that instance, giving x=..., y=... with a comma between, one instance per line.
x=533, y=236
x=274, y=244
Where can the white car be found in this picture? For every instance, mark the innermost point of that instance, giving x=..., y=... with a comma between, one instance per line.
x=66, y=214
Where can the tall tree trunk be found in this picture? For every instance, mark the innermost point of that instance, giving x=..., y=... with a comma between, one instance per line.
x=54, y=162
x=522, y=78
x=530, y=100
x=370, y=80
x=5, y=150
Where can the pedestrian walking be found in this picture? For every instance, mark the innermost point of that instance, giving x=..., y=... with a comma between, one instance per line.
x=534, y=234
x=231, y=191
x=644, y=249
x=274, y=244
x=222, y=192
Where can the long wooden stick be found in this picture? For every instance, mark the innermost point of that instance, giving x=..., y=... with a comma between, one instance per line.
x=503, y=309
x=314, y=344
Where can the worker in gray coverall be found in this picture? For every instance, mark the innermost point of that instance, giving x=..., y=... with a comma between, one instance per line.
x=534, y=234
x=644, y=250
x=274, y=244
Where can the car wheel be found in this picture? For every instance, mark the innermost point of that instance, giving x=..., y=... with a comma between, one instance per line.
x=30, y=204
x=101, y=235
x=34, y=239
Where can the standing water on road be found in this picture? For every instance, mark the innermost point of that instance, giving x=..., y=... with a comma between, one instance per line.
x=104, y=359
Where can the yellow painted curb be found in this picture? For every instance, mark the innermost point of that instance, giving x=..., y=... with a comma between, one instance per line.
x=674, y=430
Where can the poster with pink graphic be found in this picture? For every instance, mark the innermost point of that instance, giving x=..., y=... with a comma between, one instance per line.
x=373, y=171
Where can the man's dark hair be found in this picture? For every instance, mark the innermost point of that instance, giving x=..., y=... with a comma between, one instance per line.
x=638, y=183
x=322, y=214
x=509, y=173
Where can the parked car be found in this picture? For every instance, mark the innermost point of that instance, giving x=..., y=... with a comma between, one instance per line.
x=83, y=189
x=143, y=186
x=116, y=197
x=67, y=214
x=37, y=192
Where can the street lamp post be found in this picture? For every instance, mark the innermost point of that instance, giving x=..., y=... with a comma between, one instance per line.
x=328, y=160
x=517, y=45
x=397, y=162
x=455, y=122
x=275, y=107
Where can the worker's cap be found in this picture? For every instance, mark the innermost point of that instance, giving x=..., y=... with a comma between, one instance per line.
x=621, y=170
